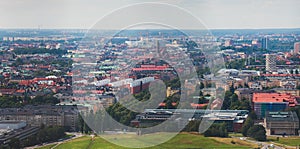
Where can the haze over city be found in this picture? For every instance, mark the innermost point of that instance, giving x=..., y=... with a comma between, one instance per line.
x=215, y=14
x=154, y=73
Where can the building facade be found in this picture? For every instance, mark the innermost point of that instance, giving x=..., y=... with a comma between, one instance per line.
x=270, y=62
x=297, y=47
x=64, y=116
x=271, y=102
x=281, y=123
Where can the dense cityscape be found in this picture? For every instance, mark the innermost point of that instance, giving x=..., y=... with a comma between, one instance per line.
x=41, y=89
x=203, y=74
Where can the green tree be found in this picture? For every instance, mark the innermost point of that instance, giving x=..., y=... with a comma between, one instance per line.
x=217, y=130
x=257, y=132
x=14, y=143
x=247, y=125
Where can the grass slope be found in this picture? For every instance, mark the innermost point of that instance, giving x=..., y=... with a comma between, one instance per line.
x=182, y=140
x=290, y=141
x=79, y=143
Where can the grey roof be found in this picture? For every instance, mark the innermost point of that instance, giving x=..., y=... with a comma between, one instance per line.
x=39, y=110
x=282, y=116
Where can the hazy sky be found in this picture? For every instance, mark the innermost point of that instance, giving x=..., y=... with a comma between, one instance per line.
x=224, y=14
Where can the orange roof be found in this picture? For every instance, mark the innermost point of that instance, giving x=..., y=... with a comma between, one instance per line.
x=25, y=82
x=198, y=105
x=20, y=91
x=273, y=97
x=163, y=104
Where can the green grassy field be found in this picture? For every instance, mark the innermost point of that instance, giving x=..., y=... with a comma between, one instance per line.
x=80, y=143
x=47, y=147
x=290, y=141
x=183, y=140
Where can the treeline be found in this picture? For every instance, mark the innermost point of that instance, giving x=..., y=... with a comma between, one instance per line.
x=10, y=102
x=121, y=114
x=39, y=51
x=249, y=129
x=232, y=102
x=45, y=134
x=236, y=64
x=16, y=102
x=216, y=130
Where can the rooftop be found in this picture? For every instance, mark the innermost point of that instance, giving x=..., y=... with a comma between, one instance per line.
x=282, y=116
x=273, y=98
x=10, y=122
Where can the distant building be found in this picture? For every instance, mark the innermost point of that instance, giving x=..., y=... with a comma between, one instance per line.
x=65, y=116
x=244, y=93
x=255, y=85
x=140, y=84
x=228, y=43
x=254, y=42
x=297, y=47
x=271, y=62
x=281, y=123
x=293, y=92
x=271, y=102
x=264, y=43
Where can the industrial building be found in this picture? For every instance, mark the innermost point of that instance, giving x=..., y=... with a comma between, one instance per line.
x=233, y=118
x=281, y=123
x=271, y=102
x=15, y=129
x=12, y=124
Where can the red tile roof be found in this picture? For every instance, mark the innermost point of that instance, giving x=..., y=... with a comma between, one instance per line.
x=273, y=98
x=25, y=82
x=162, y=104
x=20, y=91
x=194, y=105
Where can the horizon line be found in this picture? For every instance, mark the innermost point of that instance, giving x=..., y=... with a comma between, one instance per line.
x=271, y=28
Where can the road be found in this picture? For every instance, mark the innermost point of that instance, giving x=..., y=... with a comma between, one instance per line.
x=263, y=145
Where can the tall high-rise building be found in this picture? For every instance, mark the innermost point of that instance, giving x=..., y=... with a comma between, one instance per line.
x=270, y=62
x=297, y=47
x=264, y=43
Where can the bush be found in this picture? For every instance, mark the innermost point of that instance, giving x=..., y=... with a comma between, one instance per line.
x=217, y=130
x=257, y=132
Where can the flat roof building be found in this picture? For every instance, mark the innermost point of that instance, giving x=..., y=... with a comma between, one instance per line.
x=281, y=123
x=271, y=102
x=12, y=124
